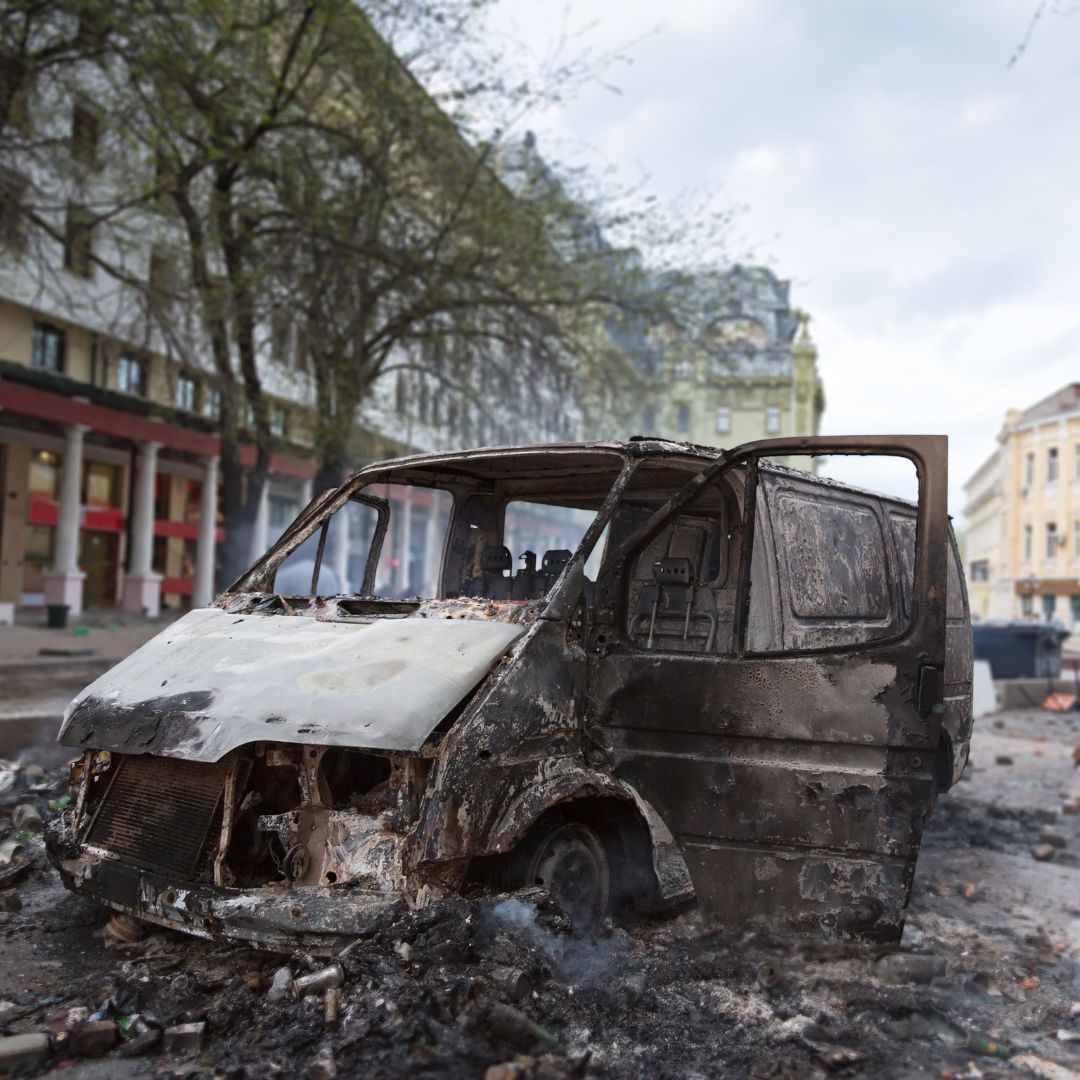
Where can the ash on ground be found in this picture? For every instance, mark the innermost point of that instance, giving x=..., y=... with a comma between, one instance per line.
x=985, y=982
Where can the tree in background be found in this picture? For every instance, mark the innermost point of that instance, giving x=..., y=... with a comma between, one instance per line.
x=348, y=181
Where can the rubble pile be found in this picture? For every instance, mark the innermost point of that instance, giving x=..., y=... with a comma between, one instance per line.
x=504, y=987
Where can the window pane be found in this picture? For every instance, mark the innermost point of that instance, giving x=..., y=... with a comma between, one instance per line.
x=540, y=539
x=348, y=539
x=102, y=487
x=410, y=563
x=833, y=563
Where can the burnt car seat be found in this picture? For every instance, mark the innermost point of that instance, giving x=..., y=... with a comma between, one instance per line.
x=672, y=607
x=493, y=581
x=554, y=563
x=528, y=585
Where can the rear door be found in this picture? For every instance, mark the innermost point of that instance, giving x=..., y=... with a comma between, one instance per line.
x=765, y=668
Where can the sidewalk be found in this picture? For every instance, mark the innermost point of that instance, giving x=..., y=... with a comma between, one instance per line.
x=100, y=637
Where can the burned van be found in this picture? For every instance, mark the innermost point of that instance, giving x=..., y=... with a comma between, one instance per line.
x=514, y=666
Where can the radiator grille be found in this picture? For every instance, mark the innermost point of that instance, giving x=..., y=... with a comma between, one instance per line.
x=161, y=814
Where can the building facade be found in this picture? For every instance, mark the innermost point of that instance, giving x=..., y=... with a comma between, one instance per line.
x=109, y=447
x=746, y=370
x=1023, y=512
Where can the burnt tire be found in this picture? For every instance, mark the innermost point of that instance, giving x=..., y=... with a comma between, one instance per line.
x=592, y=861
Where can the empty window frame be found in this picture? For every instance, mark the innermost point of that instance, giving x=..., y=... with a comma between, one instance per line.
x=47, y=348
x=1051, y=541
x=186, y=392
x=131, y=375
x=78, y=241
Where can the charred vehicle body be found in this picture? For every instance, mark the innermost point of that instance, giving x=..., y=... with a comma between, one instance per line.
x=771, y=665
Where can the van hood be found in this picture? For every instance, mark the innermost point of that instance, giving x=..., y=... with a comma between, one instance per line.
x=213, y=681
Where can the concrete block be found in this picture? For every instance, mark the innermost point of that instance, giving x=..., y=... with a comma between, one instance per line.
x=983, y=695
x=17, y=1050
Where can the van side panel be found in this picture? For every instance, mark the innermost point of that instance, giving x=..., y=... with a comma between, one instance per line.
x=957, y=720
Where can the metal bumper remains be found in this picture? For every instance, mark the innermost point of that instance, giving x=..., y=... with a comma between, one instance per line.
x=319, y=920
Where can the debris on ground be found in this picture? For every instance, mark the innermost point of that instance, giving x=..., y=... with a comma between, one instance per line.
x=985, y=983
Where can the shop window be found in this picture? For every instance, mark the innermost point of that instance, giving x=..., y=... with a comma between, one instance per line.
x=101, y=486
x=161, y=555
x=38, y=555
x=45, y=474
x=162, y=496
x=131, y=375
x=192, y=501
x=1049, y=605
x=281, y=509
x=47, y=347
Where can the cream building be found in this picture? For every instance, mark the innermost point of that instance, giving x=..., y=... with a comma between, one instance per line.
x=1023, y=512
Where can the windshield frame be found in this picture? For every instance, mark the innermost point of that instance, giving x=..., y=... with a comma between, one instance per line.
x=431, y=472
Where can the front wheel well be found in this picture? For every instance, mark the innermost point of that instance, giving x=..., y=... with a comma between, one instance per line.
x=619, y=824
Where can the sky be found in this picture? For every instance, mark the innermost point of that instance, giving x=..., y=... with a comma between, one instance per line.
x=921, y=194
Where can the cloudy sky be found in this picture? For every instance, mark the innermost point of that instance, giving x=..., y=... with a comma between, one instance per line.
x=922, y=195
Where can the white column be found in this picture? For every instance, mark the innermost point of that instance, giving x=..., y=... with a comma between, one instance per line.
x=261, y=528
x=340, y=543
x=64, y=583
x=431, y=550
x=205, y=545
x=142, y=586
x=406, y=541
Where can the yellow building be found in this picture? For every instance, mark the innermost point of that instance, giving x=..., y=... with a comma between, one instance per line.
x=1023, y=513
x=749, y=371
